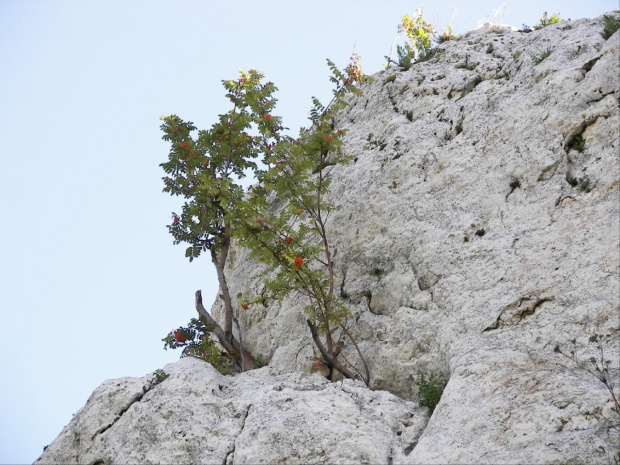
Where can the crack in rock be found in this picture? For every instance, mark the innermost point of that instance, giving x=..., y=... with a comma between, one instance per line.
x=230, y=456
x=137, y=397
x=512, y=314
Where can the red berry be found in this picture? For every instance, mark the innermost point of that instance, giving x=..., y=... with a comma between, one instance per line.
x=244, y=306
x=288, y=240
x=178, y=336
x=267, y=117
x=206, y=164
x=176, y=220
x=298, y=262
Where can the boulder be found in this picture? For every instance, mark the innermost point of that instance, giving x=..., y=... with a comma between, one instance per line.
x=197, y=415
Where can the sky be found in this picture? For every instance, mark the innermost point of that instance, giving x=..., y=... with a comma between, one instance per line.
x=90, y=281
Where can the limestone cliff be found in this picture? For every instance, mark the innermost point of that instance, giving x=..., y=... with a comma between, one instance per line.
x=479, y=230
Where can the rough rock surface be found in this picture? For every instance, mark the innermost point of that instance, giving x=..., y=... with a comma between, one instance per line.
x=197, y=415
x=479, y=230
x=474, y=237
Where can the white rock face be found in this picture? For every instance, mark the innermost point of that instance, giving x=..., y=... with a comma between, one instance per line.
x=197, y=415
x=480, y=229
x=476, y=235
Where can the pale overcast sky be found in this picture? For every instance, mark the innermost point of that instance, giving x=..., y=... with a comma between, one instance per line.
x=89, y=279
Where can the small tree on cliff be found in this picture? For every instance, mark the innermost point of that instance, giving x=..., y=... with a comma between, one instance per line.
x=206, y=170
x=293, y=240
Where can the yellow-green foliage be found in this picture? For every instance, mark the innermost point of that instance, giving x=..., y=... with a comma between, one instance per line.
x=547, y=21
x=446, y=35
x=418, y=31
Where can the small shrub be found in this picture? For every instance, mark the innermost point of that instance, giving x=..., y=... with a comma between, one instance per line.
x=405, y=59
x=195, y=340
x=547, y=21
x=538, y=58
x=420, y=34
x=259, y=362
x=418, y=31
x=598, y=366
x=447, y=35
x=577, y=143
x=584, y=185
x=611, y=26
x=516, y=54
x=159, y=376
x=430, y=390
x=427, y=55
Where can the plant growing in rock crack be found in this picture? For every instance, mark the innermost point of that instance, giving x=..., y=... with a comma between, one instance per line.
x=206, y=170
x=599, y=366
x=292, y=239
x=430, y=390
x=611, y=25
x=584, y=185
x=538, y=58
x=578, y=143
x=159, y=376
x=546, y=20
x=420, y=34
x=447, y=35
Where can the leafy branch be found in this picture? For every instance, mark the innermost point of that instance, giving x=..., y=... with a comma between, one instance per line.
x=293, y=241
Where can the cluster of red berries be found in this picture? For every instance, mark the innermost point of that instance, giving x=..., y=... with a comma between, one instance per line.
x=298, y=262
x=178, y=336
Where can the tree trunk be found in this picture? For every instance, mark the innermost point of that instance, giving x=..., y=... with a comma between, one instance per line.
x=231, y=346
x=219, y=263
x=331, y=360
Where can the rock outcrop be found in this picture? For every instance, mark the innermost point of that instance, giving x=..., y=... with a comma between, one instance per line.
x=479, y=230
x=197, y=415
